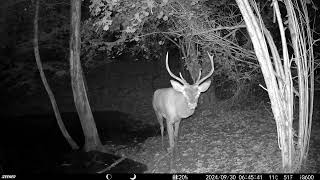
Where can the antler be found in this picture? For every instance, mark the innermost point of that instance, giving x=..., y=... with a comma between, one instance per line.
x=210, y=73
x=182, y=80
x=182, y=77
x=199, y=76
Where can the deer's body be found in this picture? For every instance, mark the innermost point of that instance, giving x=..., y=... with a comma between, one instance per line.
x=173, y=107
x=177, y=102
x=174, y=103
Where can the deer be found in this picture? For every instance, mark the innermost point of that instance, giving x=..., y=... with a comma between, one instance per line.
x=178, y=102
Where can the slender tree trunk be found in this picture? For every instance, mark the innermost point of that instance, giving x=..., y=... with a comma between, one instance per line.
x=63, y=129
x=92, y=140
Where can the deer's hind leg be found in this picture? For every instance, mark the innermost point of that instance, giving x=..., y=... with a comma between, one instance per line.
x=171, y=149
x=160, y=120
x=176, y=136
x=176, y=131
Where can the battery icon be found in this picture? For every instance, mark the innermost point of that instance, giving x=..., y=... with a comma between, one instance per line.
x=174, y=177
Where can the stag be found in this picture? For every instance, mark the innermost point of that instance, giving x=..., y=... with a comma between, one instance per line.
x=178, y=101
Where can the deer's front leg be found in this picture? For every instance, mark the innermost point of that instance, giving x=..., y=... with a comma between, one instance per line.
x=170, y=134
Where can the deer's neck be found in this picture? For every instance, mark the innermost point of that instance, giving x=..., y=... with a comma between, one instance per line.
x=183, y=109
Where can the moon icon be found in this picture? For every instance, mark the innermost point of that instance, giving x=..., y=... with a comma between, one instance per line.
x=134, y=177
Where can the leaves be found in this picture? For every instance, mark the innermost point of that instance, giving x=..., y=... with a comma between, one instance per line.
x=190, y=21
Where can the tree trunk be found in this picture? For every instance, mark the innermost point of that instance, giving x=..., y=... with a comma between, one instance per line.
x=63, y=129
x=92, y=140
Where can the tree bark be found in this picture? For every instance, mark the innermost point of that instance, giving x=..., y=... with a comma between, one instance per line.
x=63, y=129
x=92, y=140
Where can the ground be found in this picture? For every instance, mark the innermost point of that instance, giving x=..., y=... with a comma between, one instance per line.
x=235, y=141
x=224, y=139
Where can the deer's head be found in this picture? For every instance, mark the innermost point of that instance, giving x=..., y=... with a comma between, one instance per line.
x=191, y=92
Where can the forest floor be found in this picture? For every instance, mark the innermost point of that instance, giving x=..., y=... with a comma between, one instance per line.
x=229, y=141
x=224, y=139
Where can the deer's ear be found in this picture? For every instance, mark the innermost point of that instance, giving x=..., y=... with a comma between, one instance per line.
x=176, y=86
x=204, y=86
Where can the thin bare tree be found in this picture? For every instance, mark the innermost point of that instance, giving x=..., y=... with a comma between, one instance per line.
x=63, y=129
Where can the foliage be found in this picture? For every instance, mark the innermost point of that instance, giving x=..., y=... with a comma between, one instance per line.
x=123, y=30
x=194, y=26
